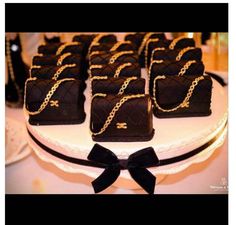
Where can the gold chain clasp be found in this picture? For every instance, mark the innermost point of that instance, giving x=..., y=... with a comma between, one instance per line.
x=121, y=125
x=54, y=103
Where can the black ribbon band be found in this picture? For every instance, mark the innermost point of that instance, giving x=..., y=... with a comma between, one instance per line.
x=136, y=164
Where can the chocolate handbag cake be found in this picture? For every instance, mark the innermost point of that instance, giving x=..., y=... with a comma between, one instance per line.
x=122, y=118
x=116, y=69
x=140, y=39
x=112, y=57
x=188, y=53
x=56, y=72
x=118, y=86
x=178, y=43
x=51, y=102
x=119, y=46
x=57, y=60
x=61, y=48
x=182, y=96
x=87, y=39
x=174, y=68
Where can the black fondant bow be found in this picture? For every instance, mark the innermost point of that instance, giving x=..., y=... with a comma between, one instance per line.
x=136, y=165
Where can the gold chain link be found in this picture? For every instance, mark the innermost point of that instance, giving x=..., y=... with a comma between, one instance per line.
x=145, y=38
x=48, y=96
x=125, y=85
x=185, y=67
x=175, y=41
x=62, y=47
x=61, y=69
x=146, y=50
x=62, y=57
x=185, y=103
x=118, y=54
x=182, y=52
x=114, y=111
x=118, y=44
x=121, y=67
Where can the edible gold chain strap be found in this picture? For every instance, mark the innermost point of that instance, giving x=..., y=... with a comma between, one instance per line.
x=125, y=85
x=118, y=54
x=93, y=67
x=182, y=52
x=62, y=47
x=118, y=44
x=185, y=67
x=150, y=67
x=184, y=103
x=96, y=40
x=48, y=96
x=114, y=111
x=146, y=50
x=34, y=67
x=155, y=50
x=61, y=69
x=120, y=68
x=175, y=41
x=62, y=57
x=145, y=38
x=99, y=78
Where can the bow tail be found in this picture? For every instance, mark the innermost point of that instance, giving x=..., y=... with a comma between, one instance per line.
x=107, y=178
x=144, y=178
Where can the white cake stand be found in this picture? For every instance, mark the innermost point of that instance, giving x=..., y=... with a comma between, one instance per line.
x=173, y=137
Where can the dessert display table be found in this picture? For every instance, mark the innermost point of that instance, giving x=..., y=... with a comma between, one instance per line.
x=174, y=137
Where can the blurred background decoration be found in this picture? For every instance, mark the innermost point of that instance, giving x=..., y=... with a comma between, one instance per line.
x=214, y=48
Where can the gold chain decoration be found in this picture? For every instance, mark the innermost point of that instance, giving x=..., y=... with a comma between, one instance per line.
x=96, y=40
x=94, y=67
x=117, y=55
x=153, y=62
x=114, y=111
x=125, y=85
x=118, y=44
x=185, y=103
x=61, y=69
x=181, y=53
x=121, y=67
x=35, y=67
x=11, y=71
x=48, y=96
x=93, y=53
x=156, y=49
x=175, y=41
x=146, y=50
x=99, y=78
x=62, y=57
x=98, y=95
x=185, y=67
x=62, y=47
x=146, y=37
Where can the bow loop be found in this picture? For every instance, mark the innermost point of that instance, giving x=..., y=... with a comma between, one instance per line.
x=102, y=155
x=143, y=158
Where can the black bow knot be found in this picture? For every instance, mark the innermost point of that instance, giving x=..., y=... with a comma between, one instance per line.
x=136, y=165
